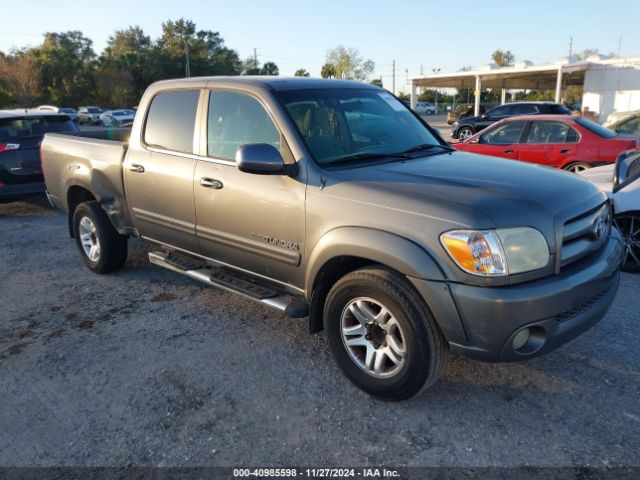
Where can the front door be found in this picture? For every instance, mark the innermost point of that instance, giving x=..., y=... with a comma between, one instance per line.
x=249, y=221
x=500, y=140
x=159, y=176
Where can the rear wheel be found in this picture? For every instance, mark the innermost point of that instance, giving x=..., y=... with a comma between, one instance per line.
x=629, y=226
x=382, y=335
x=464, y=133
x=102, y=248
x=577, y=167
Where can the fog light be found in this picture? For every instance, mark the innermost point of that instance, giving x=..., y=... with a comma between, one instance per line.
x=521, y=338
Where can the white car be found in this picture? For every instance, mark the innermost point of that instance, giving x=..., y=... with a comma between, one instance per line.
x=117, y=118
x=425, y=108
x=621, y=182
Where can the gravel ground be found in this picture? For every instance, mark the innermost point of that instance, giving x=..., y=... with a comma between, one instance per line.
x=147, y=367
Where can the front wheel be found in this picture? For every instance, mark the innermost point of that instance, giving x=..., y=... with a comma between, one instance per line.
x=464, y=133
x=102, y=248
x=382, y=335
x=576, y=167
x=629, y=226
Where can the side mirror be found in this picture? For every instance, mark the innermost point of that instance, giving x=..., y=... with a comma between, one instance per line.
x=259, y=158
x=626, y=170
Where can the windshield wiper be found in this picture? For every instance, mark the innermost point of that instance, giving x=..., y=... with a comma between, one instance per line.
x=428, y=146
x=356, y=157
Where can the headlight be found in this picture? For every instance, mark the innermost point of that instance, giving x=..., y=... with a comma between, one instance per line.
x=455, y=124
x=493, y=253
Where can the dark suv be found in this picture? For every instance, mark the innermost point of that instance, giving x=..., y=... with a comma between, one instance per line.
x=469, y=126
x=21, y=135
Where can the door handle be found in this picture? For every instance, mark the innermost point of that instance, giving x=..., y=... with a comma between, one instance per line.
x=211, y=183
x=136, y=168
x=508, y=151
x=566, y=150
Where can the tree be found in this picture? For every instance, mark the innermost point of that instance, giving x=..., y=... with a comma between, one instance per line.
x=269, y=68
x=19, y=79
x=377, y=82
x=588, y=52
x=348, y=64
x=328, y=71
x=301, y=72
x=66, y=62
x=502, y=58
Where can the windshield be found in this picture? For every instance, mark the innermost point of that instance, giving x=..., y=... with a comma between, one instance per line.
x=93, y=110
x=367, y=124
x=595, y=127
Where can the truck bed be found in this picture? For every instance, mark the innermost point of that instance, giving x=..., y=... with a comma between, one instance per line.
x=87, y=163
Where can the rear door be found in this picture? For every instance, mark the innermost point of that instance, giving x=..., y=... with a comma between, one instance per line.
x=550, y=143
x=20, y=140
x=159, y=176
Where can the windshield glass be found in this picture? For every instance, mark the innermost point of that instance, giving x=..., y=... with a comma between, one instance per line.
x=337, y=124
x=595, y=127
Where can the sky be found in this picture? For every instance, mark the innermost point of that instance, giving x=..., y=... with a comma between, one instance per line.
x=419, y=35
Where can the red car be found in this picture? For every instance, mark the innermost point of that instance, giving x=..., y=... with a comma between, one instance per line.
x=561, y=141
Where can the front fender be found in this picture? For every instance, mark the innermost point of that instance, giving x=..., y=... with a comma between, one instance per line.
x=385, y=248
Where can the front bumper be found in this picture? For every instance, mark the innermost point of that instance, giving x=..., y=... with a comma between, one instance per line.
x=555, y=309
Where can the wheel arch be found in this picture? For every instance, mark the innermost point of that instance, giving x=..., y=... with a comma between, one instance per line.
x=76, y=194
x=346, y=249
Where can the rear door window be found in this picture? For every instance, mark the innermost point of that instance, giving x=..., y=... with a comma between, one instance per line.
x=237, y=119
x=171, y=120
x=524, y=109
x=551, y=132
x=500, y=111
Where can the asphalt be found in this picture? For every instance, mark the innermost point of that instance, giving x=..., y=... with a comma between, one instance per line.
x=145, y=367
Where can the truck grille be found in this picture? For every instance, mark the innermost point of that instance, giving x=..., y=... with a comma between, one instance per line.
x=585, y=234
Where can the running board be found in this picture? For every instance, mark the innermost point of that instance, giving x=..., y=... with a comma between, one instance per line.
x=231, y=281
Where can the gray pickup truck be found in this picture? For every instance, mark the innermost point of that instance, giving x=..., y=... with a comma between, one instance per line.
x=331, y=200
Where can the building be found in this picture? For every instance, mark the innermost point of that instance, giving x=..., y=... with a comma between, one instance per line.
x=609, y=85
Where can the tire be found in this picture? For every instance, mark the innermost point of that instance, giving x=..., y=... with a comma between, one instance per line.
x=576, y=167
x=464, y=133
x=91, y=228
x=629, y=225
x=411, y=334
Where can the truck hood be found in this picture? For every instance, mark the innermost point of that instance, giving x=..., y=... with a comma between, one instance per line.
x=474, y=190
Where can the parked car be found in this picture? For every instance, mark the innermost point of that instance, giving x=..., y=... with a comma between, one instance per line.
x=469, y=126
x=70, y=112
x=21, y=134
x=331, y=199
x=561, y=141
x=89, y=115
x=617, y=117
x=425, y=108
x=621, y=182
x=463, y=111
x=117, y=118
x=629, y=124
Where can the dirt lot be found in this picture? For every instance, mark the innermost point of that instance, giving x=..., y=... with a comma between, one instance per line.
x=147, y=367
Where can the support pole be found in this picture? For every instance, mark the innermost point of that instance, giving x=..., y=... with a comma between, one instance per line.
x=476, y=108
x=559, y=85
x=503, y=96
x=413, y=95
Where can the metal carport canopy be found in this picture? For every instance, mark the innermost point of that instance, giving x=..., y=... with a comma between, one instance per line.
x=525, y=77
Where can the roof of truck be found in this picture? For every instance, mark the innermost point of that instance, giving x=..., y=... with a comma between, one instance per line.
x=274, y=82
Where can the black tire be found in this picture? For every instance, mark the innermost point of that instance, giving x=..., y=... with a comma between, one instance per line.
x=468, y=131
x=576, y=167
x=424, y=345
x=112, y=253
x=629, y=225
